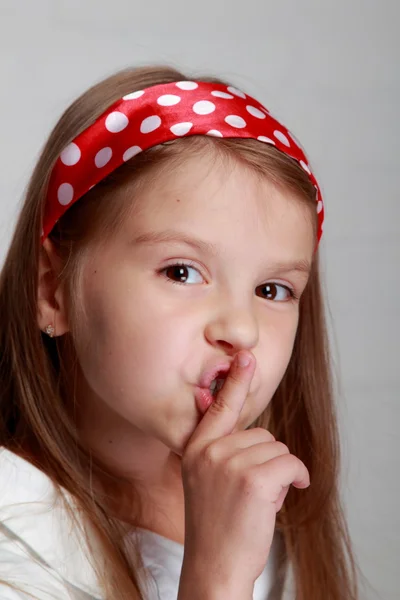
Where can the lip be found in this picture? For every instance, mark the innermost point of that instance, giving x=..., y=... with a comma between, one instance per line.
x=204, y=399
x=203, y=395
x=210, y=373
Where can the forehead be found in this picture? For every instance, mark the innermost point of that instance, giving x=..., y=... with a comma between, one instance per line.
x=226, y=203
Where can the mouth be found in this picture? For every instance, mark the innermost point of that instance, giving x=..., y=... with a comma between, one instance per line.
x=211, y=377
x=206, y=394
x=217, y=384
x=210, y=384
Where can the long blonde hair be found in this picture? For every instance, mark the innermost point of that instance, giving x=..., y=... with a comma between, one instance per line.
x=36, y=402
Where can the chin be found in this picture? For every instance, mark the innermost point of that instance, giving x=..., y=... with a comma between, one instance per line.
x=178, y=446
x=177, y=441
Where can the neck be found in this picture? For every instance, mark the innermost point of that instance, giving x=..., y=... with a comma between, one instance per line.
x=152, y=497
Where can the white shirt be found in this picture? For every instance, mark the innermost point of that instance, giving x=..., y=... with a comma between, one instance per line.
x=43, y=552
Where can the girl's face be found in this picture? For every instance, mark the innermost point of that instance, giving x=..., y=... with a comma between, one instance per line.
x=150, y=328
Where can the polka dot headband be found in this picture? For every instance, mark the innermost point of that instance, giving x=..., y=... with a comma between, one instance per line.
x=158, y=114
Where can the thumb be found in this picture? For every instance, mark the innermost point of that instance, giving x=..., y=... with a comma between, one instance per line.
x=223, y=414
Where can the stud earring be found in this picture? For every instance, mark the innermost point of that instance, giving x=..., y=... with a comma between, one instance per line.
x=50, y=330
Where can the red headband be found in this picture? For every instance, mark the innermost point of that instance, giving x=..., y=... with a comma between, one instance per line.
x=155, y=115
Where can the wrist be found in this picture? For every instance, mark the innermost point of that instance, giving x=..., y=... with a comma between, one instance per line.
x=199, y=584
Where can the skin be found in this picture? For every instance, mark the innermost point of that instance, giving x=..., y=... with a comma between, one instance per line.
x=145, y=340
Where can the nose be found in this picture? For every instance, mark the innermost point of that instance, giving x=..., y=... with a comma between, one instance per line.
x=233, y=329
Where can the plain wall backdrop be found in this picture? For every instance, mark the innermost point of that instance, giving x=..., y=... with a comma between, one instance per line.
x=330, y=71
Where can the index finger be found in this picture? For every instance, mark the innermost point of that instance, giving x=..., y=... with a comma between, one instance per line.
x=223, y=414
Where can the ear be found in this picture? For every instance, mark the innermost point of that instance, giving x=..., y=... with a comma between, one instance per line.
x=52, y=308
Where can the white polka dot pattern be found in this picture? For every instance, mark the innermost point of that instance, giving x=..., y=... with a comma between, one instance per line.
x=187, y=85
x=150, y=124
x=256, y=112
x=215, y=133
x=148, y=117
x=65, y=194
x=133, y=95
x=131, y=152
x=116, y=122
x=168, y=100
x=265, y=139
x=204, y=107
x=305, y=167
x=235, y=121
x=102, y=157
x=219, y=94
x=181, y=128
x=281, y=137
x=70, y=155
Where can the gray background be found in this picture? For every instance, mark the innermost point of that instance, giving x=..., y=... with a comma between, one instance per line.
x=330, y=71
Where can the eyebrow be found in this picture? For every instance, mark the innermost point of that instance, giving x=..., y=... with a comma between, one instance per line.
x=172, y=236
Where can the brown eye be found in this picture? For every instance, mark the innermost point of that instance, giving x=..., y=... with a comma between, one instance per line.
x=275, y=291
x=182, y=273
x=177, y=273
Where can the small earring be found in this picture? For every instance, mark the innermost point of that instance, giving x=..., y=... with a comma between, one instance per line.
x=50, y=330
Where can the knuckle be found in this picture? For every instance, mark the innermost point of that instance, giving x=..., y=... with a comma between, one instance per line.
x=210, y=455
x=282, y=448
x=230, y=466
x=264, y=434
x=219, y=404
x=250, y=482
x=228, y=470
x=291, y=461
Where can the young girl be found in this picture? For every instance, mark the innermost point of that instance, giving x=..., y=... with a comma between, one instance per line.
x=167, y=422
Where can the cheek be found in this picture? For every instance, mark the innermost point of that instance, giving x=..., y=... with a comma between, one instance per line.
x=273, y=356
x=279, y=349
x=131, y=342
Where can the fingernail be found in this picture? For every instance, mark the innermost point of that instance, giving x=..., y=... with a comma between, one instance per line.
x=243, y=359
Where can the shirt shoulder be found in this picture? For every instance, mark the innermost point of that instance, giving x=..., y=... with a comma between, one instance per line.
x=8, y=593
x=42, y=548
x=25, y=579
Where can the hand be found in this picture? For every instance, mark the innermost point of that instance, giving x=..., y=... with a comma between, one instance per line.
x=234, y=484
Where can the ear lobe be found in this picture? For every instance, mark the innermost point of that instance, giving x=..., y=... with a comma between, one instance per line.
x=51, y=302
